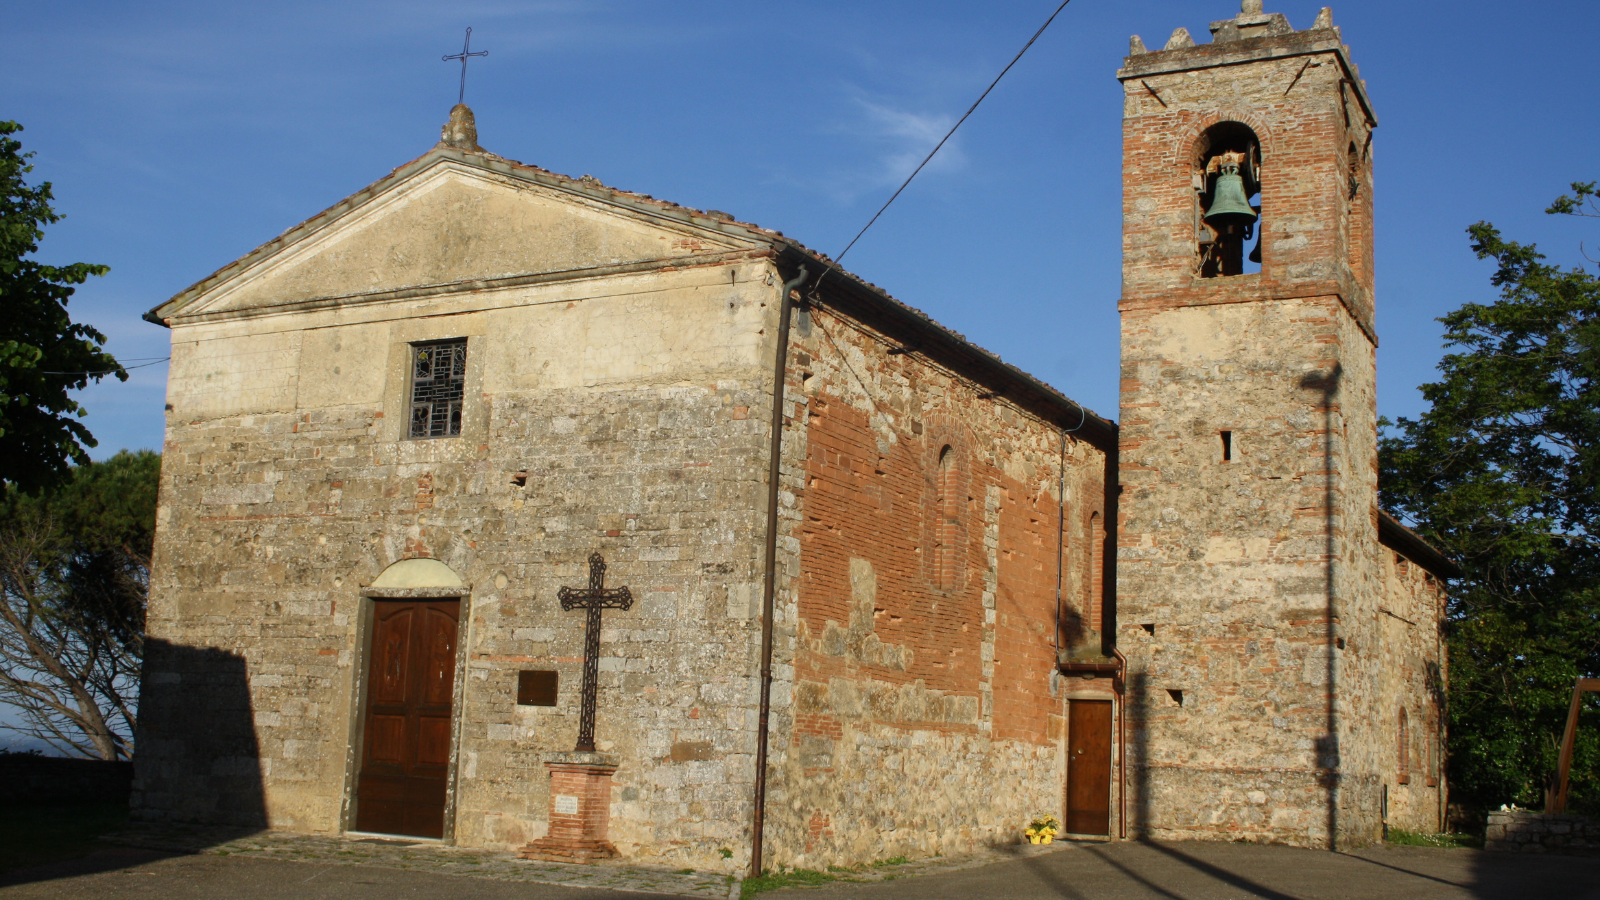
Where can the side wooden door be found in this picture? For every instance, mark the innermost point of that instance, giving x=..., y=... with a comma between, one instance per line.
x=1088, y=767
x=405, y=748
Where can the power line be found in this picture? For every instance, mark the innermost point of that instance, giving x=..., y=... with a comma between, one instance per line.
x=157, y=362
x=942, y=141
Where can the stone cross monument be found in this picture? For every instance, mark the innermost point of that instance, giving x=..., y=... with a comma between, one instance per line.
x=580, y=781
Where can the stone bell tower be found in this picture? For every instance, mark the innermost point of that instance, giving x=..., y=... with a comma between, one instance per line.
x=1248, y=547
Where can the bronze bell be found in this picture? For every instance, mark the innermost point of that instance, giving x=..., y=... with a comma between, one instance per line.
x=1229, y=205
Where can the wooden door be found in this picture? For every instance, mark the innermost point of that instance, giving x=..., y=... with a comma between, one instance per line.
x=405, y=747
x=1089, y=767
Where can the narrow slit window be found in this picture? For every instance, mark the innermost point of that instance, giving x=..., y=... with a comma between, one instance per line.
x=947, y=523
x=1403, y=752
x=1227, y=446
x=438, y=384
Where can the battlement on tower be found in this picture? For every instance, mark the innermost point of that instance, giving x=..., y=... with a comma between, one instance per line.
x=1249, y=37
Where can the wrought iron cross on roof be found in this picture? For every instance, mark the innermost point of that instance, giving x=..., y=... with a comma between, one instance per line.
x=593, y=598
x=463, y=56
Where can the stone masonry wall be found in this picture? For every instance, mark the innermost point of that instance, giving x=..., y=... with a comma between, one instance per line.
x=1249, y=589
x=1520, y=831
x=1411, y=678
x=634, y=407
x=1223, y=583
x=924, y=717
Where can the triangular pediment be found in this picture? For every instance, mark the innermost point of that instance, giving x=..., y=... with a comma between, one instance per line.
x=449, y=219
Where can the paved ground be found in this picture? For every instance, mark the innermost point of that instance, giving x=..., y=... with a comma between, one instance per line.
x=136, y=874
x=1204, y=871
x=281, y=867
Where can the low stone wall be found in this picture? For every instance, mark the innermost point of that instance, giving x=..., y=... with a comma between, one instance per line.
x=1519, y=831
x=25, y=778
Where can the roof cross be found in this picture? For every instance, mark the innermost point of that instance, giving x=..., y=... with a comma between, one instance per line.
x=463, y=55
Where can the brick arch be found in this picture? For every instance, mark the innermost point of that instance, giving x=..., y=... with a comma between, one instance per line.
x=1183, y=149
x=943, y=526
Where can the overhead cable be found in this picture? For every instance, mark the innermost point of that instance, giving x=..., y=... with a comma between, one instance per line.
x=942, y=141
x=112, y=371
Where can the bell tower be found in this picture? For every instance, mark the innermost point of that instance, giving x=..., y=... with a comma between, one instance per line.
x=1248, y=549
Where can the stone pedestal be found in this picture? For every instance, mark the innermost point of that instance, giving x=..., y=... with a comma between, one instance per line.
x=580, y=809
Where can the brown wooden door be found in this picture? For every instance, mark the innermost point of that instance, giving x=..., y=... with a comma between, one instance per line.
x=1089, y=767
x=405, y=755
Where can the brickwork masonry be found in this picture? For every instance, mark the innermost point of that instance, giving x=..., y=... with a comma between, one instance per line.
x=923, y=717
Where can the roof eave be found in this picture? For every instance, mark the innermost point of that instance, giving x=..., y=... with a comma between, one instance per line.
x=867, y=302
x=1405, y=542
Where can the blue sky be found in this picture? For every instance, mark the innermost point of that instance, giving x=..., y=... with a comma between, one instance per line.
x=181, y=135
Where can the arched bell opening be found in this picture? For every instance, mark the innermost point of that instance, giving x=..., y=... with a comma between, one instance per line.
x=1227, y=185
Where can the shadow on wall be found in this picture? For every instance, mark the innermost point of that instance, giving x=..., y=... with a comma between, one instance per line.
x=1071, y=631
x=196, y=759
x=1329, y=766
x=1138, y=714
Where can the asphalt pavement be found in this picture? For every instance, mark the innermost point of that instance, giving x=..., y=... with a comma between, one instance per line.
x=1122, y=871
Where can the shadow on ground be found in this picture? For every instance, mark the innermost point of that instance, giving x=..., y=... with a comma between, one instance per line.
x=197, y=772
x=1217, y=871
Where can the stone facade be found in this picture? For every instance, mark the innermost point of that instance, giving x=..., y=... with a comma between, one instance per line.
x=1410, y=693
x=618, y=389
x=1257, y=607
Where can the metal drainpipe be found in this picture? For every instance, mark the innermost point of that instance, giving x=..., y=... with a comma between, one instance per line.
x=1061, y=537
x=780, y=372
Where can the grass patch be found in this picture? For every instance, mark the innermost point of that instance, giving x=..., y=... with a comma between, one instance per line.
x=787, y=878
x=33, y=834
x=1403, y=838
x=684, y=872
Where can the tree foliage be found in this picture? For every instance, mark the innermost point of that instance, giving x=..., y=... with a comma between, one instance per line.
x=74, y=572
x=43, y=353
x=1502, y=473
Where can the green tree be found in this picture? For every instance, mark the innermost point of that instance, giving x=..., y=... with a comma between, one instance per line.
x=1503, y=474
x=43, y=353
x=74, y=575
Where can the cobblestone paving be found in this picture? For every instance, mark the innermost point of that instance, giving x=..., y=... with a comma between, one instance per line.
x=438, y=858
x=430, y=857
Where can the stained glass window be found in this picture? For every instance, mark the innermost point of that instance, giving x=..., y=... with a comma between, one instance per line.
x=438, y=382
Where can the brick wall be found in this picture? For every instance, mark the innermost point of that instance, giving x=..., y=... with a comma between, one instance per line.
x=924, y=714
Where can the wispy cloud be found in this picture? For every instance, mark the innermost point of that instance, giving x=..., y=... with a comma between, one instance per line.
x=909, y=136
x=891, y=141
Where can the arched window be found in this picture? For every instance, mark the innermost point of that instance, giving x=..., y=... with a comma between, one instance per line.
x=1227, y=175
x=1403, y=775
x=947, y=522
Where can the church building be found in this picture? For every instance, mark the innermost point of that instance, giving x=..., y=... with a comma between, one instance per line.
x=516, y=511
